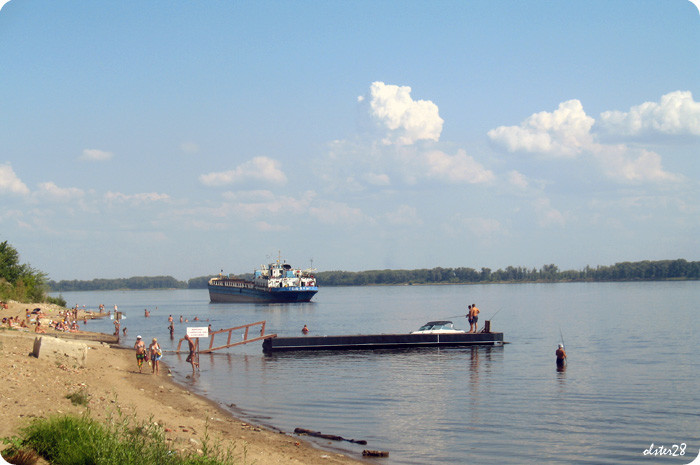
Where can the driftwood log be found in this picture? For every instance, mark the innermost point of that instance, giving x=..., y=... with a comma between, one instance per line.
x=331, y=437
x=375, y=453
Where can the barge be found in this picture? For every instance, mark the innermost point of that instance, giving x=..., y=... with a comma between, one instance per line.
x=420, y=338
x=274, y=283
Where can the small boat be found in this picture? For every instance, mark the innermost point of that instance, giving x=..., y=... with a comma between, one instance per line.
x=432, y=334
x=438, y=327
x=273, y=283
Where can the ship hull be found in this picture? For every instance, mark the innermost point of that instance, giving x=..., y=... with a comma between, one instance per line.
x=253, y=295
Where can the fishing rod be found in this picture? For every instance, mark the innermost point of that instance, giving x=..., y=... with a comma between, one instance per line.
x=561, y=335
x=492, y=316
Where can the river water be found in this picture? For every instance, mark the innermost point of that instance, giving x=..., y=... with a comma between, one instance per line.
x=632, y=383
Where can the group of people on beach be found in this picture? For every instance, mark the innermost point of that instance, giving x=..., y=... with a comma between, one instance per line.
x=152, y=354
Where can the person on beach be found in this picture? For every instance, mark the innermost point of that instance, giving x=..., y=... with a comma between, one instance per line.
x=155, y=354
x=38, y=328
x=192, y=357
x=473, y=318
x=140, y=348
x=561, y=356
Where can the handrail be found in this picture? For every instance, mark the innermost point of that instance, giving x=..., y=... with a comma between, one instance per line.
x=228, y=341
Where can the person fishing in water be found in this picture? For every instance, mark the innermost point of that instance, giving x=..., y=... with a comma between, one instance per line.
x=561, y=356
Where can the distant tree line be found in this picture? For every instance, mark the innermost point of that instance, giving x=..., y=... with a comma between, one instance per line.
x=133, y=283
x=625, y=271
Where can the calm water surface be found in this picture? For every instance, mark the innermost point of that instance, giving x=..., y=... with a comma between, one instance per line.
x=632, y=378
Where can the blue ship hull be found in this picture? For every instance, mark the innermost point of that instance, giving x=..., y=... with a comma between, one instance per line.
x=256, y=295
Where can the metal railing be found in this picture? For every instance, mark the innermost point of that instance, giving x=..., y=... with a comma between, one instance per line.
x=230, y=331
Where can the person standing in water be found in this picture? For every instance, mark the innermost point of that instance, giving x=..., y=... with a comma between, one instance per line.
x=561, y=356
x=192, y=357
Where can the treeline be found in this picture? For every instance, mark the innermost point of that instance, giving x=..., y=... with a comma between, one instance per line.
x=625, y=271
x=20, y=281
x=133, y=283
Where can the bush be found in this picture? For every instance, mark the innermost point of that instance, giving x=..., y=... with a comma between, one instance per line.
x=120, y=440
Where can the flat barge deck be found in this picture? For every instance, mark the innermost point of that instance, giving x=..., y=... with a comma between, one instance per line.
x=380, y=341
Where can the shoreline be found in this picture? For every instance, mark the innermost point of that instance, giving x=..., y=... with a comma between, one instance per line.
x=37, y=387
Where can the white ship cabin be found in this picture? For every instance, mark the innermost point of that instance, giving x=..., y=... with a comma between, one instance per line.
x=283, y=275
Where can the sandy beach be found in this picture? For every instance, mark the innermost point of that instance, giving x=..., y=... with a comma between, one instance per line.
x=35, y=387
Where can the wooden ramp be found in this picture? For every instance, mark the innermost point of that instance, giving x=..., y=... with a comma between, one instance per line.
x=229, y=332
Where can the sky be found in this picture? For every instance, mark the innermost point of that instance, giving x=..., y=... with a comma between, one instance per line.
x=183, y=138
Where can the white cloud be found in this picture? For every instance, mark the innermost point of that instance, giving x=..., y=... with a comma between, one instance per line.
x=455, y=168
x=484, y=229
x=405, y=215
x=3, y=3
x=10, y=183
x=189, y=148
x=331, y=212
x=376, y=179
x=141, y=198
x=546, y=214
x=252, y=206
x=676, y=113
x=518, y=179
x=624, y=164
x=50, y=191
x=406, y=120
x=96, y=155
x=257, y=169
x=564, y=132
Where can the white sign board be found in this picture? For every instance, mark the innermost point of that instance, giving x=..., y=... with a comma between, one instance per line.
x=198, y=331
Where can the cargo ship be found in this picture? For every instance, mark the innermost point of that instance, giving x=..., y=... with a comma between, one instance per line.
x=273, y=283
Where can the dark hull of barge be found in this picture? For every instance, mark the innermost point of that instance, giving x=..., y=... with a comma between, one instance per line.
x=380, y=341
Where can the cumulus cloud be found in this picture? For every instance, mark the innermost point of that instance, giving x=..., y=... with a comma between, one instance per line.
x=405, y=120
x=631, y=165
x=140, y=198
x=564, y=132
x=567, y=132
x=50, y=191
x=10, y=183
x=676, y=113
x=518, y=179
x=331, y=212
x=376, y=179
x=257, y=169
x=456, y=168
x=546, y=214
x=96, y=155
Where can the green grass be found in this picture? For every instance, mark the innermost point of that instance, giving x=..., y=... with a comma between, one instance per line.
x=81, y=440
x=80, y=397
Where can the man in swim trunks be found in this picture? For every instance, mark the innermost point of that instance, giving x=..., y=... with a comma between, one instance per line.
x=140, y=348
x=192, y=357
x=473, y=318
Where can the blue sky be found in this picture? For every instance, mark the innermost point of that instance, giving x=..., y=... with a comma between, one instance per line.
x=182, y=138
